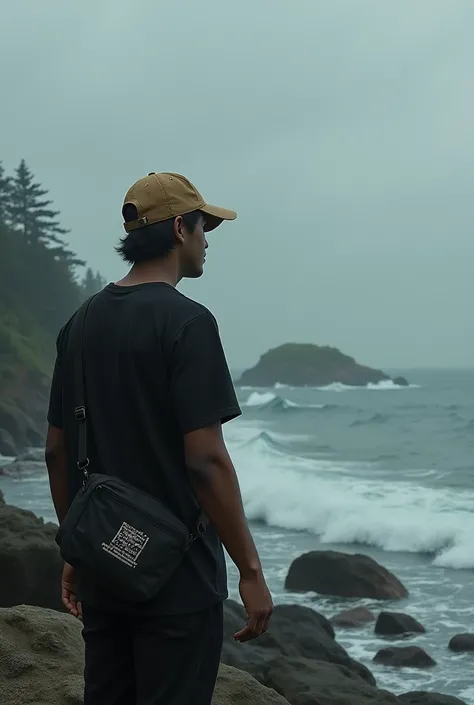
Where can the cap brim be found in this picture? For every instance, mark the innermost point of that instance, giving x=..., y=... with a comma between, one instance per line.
x=215, y=216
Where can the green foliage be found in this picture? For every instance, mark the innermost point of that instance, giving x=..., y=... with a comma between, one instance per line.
x=306, y=353
x=5, y=192
x=31, y=215
x=39, y=287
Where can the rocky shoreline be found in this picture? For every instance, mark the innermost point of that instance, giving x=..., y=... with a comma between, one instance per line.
x=22, y=423
x=299, y=660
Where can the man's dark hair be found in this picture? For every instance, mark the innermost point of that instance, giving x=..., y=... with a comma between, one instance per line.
x=153, y=241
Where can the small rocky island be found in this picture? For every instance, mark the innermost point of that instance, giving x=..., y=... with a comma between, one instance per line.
x=306, y=365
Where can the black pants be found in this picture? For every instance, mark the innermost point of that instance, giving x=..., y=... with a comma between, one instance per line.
x=151, y=660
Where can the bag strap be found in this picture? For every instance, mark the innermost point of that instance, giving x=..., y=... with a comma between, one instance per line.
x=80, y=413
x=79, y=391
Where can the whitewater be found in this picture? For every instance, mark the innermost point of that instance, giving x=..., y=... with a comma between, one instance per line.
x=342, y=504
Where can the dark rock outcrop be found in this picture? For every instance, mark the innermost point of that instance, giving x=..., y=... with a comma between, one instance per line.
x=423, y=698
x=309, y=365
x=462, y=642
x=356, y=617
x=310, y=682
x=42, y=661
x=20, y=426
x=30, y=564
x=404, y=656
x=296, y=632
x=7, y=444
x=395, y=623
x=401, y=382
x=343, y=575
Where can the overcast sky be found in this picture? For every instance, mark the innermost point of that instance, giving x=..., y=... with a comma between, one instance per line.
x=340, y=130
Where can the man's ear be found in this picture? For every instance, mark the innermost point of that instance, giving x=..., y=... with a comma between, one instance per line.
x=179, y=229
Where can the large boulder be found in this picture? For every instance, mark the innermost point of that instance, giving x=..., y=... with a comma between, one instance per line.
x=311, y=682
x=462, y=642
x=350, y=619
x=396, y=623
x=41, y=657
x=404, y=656
x=42, y=662
x=30, y=564
x=236, y=687
x=295, y=632
x=421, y=697
x=343, y=575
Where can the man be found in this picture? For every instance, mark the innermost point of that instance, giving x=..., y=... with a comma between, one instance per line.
x=157, y=390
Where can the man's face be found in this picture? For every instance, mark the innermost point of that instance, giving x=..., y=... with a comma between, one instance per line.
x=193, y=250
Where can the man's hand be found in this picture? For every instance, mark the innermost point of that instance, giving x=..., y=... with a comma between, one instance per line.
x=69, y=591
x=258, y=605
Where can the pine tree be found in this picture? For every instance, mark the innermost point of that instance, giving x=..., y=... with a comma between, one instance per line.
x=33, y=216
x=92, y=283
x=5, y=195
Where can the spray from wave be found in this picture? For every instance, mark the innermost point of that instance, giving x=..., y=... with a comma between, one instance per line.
x=347, y=507
x=267, y=401
x=386, y=385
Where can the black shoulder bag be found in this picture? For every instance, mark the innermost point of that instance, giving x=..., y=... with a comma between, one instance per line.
x=125, y=539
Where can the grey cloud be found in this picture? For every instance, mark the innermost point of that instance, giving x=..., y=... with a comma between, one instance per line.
x=340, y=131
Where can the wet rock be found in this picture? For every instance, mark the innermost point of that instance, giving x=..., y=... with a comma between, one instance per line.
x=30, y=564
x=462, y=642
x=407, y=656
x=343, y=575
x=356, y=617
x=424, y=698
x=295, y=632
x=395, y=623
x=307, y=682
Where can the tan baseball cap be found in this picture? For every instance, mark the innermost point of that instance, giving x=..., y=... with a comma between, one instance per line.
x=158, y=197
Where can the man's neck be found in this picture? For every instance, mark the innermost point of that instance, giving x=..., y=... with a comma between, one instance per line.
x=149, y=272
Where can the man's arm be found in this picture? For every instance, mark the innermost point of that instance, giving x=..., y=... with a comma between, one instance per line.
x=215, y=482
x=55, y=456
x=204, y=398
x=214, y=479
x=55, y=452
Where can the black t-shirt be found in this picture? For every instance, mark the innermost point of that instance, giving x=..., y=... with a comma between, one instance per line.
x=154, y=370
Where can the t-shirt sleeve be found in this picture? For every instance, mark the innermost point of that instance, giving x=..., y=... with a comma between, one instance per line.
x=201, y=387
x=55, y=408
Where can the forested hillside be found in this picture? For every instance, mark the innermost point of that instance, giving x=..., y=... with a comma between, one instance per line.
x=41, y=284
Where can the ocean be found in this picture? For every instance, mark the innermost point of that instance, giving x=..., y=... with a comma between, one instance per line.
x=384, y=471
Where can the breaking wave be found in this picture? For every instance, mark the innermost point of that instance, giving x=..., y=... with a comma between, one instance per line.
x=343, y=507
x=267, y=401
